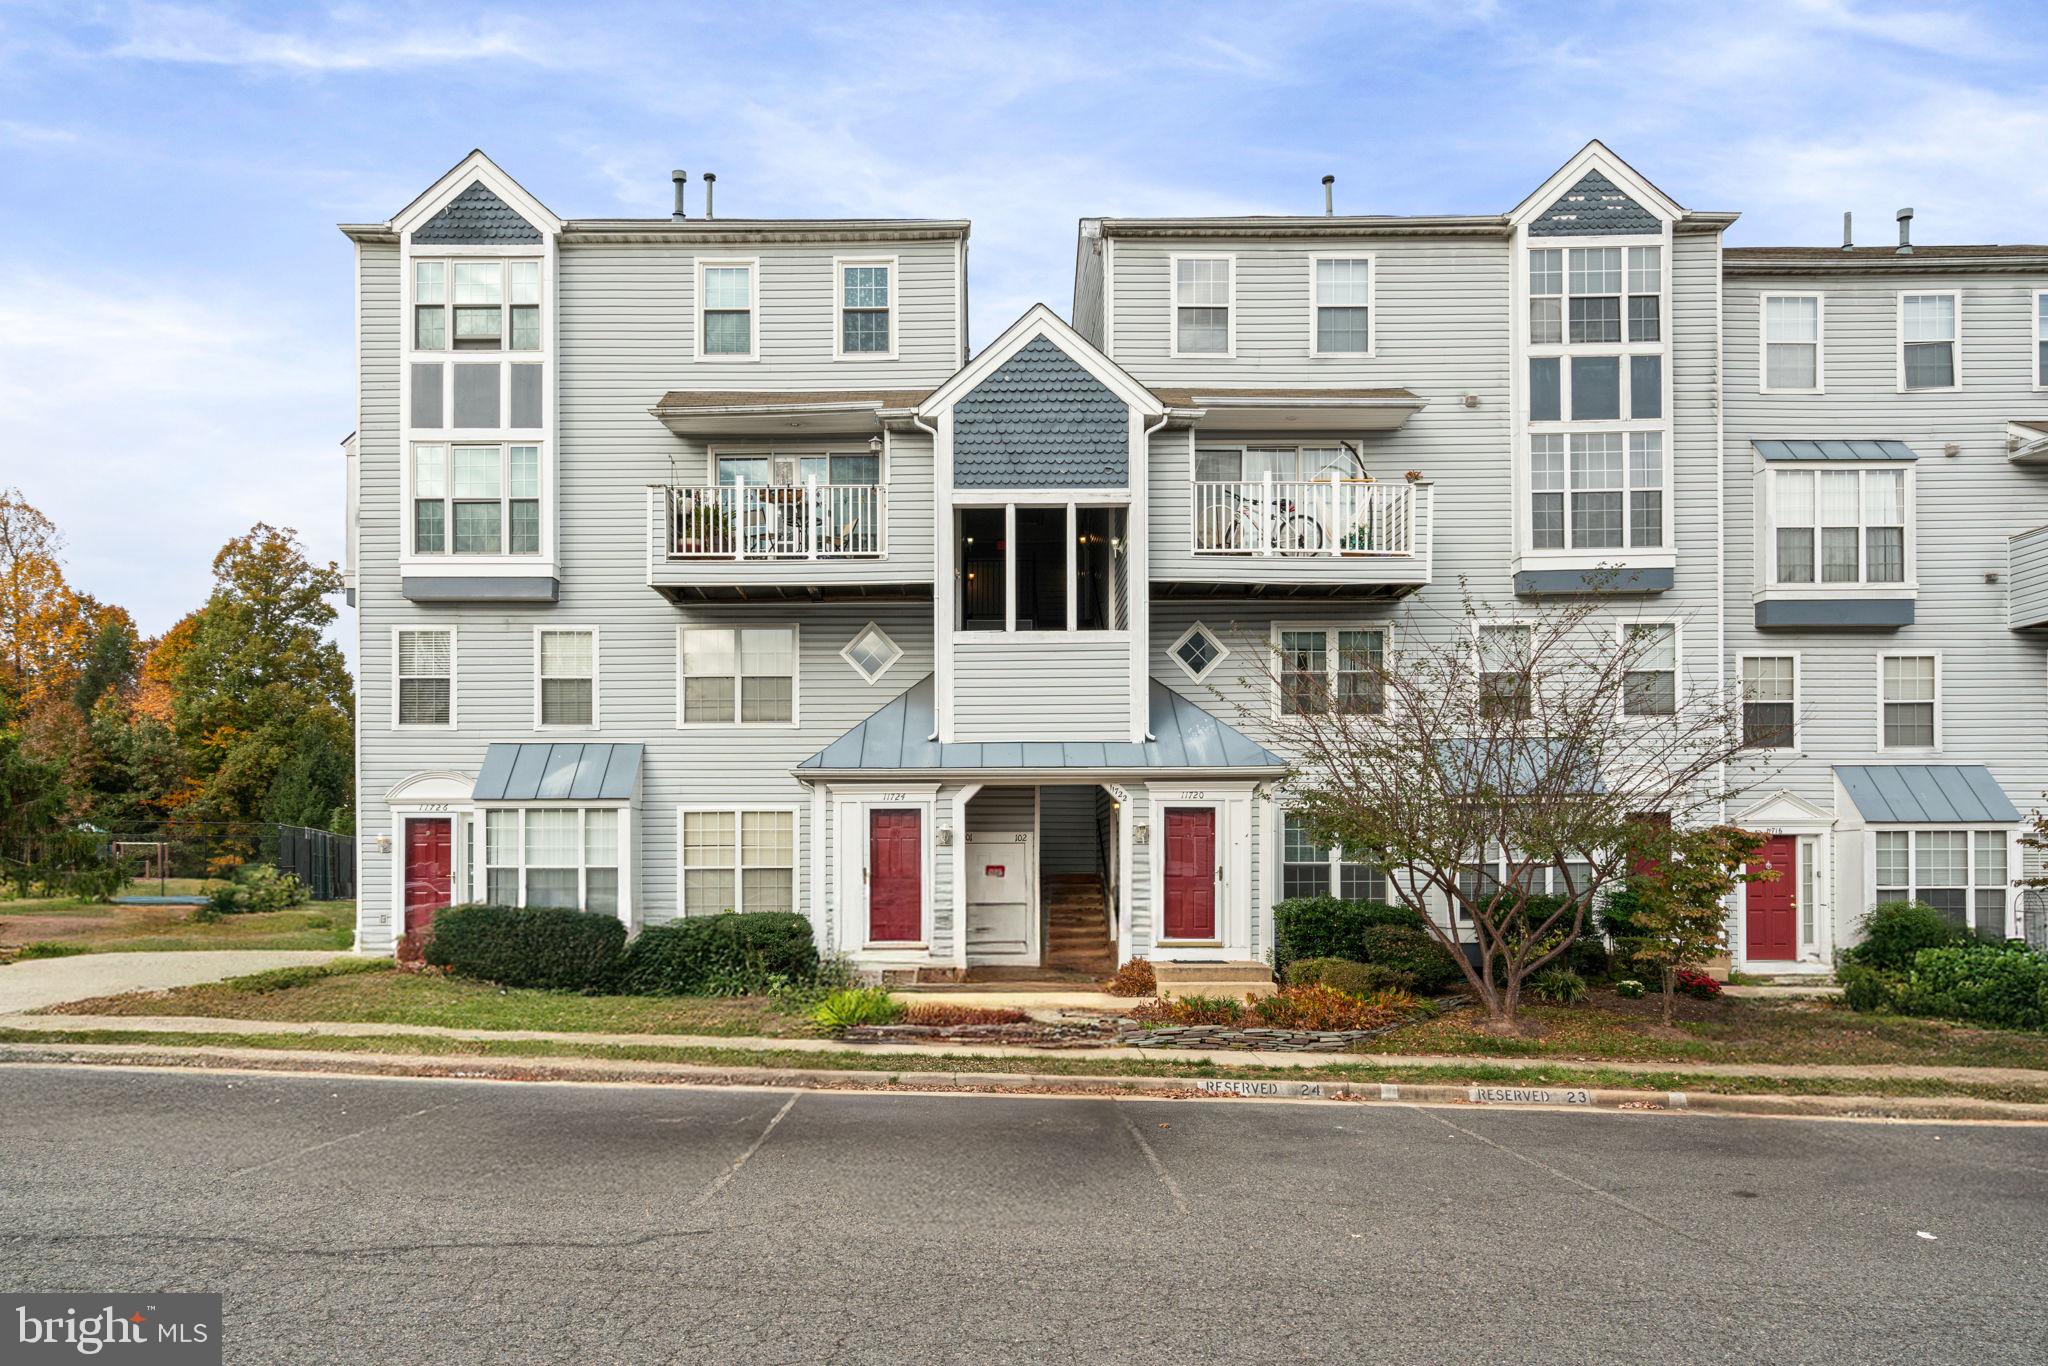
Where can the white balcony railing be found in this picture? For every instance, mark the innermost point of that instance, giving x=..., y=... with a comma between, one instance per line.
x=808, y=521
x=1325, y=517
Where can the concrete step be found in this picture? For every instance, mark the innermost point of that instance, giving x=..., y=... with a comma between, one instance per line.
x=1240, y=970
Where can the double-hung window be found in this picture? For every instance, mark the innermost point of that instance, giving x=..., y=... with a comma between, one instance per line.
x=1202, y=294
x=1310, y=869
x=1770, y=701
x=566, y=668
x=1335, y=668
x=864, y=303
x=739, y=860
x=553, y=856
x=475, y=500
x=1928, y=340
x=1507, y=686
x=739, y=675
x=1961, y=873
x=493, y=305
x=1596, y=490
x=1595, y=294
x=1839, y=526
x=426, y=678
x=1650, y=669
x=1343, y=306
x=1792, y=344
x=1909, y=688
x=725, y=310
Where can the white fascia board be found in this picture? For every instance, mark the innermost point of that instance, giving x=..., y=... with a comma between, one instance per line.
x=475, y=166
x=1041, y=321
x=1595, y=154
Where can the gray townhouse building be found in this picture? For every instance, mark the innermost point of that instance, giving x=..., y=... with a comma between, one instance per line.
x=700, y=564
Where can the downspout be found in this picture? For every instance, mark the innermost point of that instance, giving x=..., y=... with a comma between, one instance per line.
x=1146, y=644
x=918, y=421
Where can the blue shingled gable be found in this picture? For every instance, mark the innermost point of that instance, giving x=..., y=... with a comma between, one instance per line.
x=1039, y=421
x=1595, y=207
x=476, y=215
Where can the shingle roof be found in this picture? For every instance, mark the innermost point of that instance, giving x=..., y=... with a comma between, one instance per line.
x=1927, y=794
x=1190, y=398
x=893, y=740
x=476, y=215
x=791, y=398
x=1041, y=420
x=515, y=772
x=1883, y=253
x=1595, y=207
x=1834, y=450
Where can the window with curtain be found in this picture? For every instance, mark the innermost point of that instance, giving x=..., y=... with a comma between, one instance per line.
x=1201, y=305
x=1927, y=341
x=426, y=678
x=553, y=856
x=738, y=860
x=1792, y=342
x=568, y=678
x=1909, y=689
x=742, y=675
x=1839, y=526
x=1343, y=298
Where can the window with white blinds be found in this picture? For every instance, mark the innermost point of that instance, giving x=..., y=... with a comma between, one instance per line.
x=426, y=678
x=568, y=678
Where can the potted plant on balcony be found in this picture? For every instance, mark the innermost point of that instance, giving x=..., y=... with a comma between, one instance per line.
x=703, y=528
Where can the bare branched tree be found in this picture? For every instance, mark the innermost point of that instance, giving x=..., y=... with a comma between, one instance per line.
x=1486, y=760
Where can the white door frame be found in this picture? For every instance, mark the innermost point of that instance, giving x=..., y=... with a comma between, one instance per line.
x=1799, y=820
x=1232, y=803
x=851, y=808
x=428, y=796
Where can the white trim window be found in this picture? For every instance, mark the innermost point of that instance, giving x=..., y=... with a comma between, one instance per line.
x=565, y=678
x=1330, y=668
x=1770, y=701
x=1649, y=683
x=475, y=499
x=1791, y=344
x=1909, y=696
x=864, y=298
x=1204, y=300
x=726, y=308
x=424, y=662
x=1840, y=526
x=467, y=304
x=1198, y=652
x=871, y=653
x=1961, y=873
x=1341, y=289
x=1309, y=869
x=737, y=859
x=1504, y=655
x=1595, y=295
x=2041, y=340
x=738, y=675
x=1930, y=349
x=1491, y=873
x=1596, y=490
x=554, y=856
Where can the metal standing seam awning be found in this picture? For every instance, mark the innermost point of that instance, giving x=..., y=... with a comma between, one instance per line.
x=1186, y=739
x=1927, y=794
x=1834, y=450
x=553, y=772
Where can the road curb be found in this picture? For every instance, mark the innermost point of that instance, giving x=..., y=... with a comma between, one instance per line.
x=1564, y=1098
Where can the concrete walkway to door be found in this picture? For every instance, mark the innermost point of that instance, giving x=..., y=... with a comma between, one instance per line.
x=36, y=983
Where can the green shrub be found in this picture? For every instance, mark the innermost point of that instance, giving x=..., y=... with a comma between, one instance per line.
x=1410, y=950
x=52, y=948
x=1202, y=1010
x=1864, y=988
x=1536, y=910
x=1629, y=989
x=1894, y=931
x=735, y=954
x=559, y=950
x=1590, y=959
x=2004, y=985
x=1358, y=979
x=256, y=888
x=1329, y=927
x=1618, y=914
x=1558, y=986
x=857, y=1006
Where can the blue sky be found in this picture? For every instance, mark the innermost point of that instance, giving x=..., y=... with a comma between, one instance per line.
x=175, y=312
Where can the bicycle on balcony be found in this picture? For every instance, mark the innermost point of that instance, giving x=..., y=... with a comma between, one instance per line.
x=1232, y=519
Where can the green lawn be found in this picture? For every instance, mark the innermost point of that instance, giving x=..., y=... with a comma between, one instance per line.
x=372, y=991
x=48, y=928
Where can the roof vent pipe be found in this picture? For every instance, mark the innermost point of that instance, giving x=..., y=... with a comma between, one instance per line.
x=1905, y=232
x=1848, y=238
x=1329, y=196
x=710, y=181
x=682, y=180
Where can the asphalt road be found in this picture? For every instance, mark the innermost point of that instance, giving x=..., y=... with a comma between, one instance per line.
x=390, y=1221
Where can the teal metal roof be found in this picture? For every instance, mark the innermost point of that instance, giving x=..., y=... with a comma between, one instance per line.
x=1927, y=794
x=1185, y=737
x=1834, y=450
x=540, y=772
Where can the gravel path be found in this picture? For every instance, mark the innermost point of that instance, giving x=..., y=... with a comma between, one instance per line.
x=40, y=982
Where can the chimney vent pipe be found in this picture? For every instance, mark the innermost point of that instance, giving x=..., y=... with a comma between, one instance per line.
x=1329, y=196
x=1905, y=232
x=682, y=180
x=710, y=181
x=1848, y=237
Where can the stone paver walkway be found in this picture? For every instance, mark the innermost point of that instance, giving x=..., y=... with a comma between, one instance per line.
x=36, y=983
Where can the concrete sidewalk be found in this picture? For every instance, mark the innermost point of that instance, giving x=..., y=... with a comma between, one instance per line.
x=37, y=983
x=1221, y=1057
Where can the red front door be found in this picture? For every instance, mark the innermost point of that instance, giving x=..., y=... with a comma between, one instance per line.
x=1190, y=872
x=1773, y=919
x=429, y=879
x=895, y=877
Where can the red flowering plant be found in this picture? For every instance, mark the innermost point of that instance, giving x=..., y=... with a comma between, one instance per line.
x=1695, y=983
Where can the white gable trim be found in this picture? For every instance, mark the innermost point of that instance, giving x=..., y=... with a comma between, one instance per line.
x=432, y=786
x=1040, y=321
x=474, y=167
x=1595, y=156
x=1782, y=807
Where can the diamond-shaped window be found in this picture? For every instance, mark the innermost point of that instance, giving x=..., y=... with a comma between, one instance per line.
x=871, y=653
x=1198, y=651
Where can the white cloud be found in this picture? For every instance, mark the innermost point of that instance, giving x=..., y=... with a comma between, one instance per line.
x=353, y=41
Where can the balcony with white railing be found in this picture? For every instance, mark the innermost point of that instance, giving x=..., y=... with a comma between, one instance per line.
x=1362, y=537
x=812, y=537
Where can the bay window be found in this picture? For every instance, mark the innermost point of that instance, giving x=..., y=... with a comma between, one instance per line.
x=1961, y=873
x=566, y=857
x=1839, y=526
x=739, y=675
x=1928, y=341
x=738, y=860
x=1309, y=869
x=1202, y=295
x=475, y=500
x=1584, y=495
x=1792, y=343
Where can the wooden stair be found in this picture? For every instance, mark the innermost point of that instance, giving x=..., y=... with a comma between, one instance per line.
x=1077, y=930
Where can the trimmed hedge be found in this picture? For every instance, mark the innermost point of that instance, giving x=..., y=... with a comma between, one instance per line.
x=1329, y=927
x=1409, y=949
x=1354, y=979
x=723, y=955
x=528, y=946
x=2004, y=985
